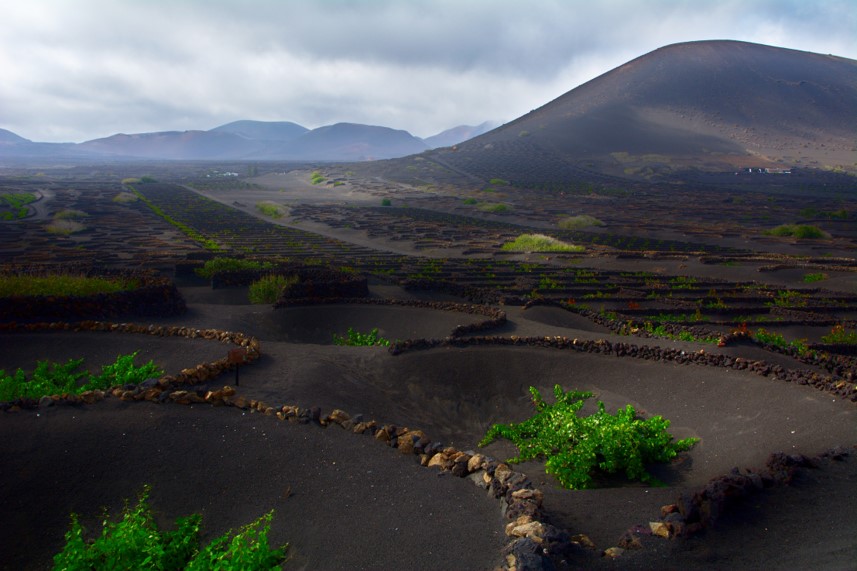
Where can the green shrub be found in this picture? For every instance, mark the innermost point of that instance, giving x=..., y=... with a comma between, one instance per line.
x=51, y=378
x=268, y=289
x=498, y=182
x=539, y=243
x=470, y=201
x=135, y=542
x=777, y=340
x=495, y=208
x=357, y=339
x=578, y=222
x=576, y=448
x=224, y=264
x=801, y=231
x=840, y=336
x=271, y=209
x=810, y=278
x=62, y=285
x=317, y=178
x=386, y=202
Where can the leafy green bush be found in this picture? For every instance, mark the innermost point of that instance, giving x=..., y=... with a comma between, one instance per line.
x=498, y=182
x=801, y=231
x=539, y=243
x=840, y=336
x=267, y=289
x=223, y=264
x=578, y=222
x=317, y=178
x=386, y=202
x=777, y=340
x=357, y=339
x=470, y=201
x=576, y=448
x=51, y=378
x=271, y=209
x=135, y=542
x=810, y=278
x=495, y=208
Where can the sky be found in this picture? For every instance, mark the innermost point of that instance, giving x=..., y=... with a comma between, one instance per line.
x=74, y=70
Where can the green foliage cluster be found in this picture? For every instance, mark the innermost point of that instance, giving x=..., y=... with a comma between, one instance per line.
x=206, y=243
x=62, y=285
x=135, y=542
x=16, y=203
x=578, y=222
x=762, y=335
x=789, y=298
x=386, y=202
x=125, y=198
x=51, y=378
x=576, y=448
x=498, y=182
x=270, y=209
x=268, y=289
x=539, y=243
x=684, y=335
x=810, y=212
x=317, y=178
x=356, y=339
x=470, y=201
x=801, y=231
x=495, y=208
x=839, y=335
x=811, y=278
x=225, y=264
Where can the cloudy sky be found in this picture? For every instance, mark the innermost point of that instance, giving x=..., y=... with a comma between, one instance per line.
x=73, y=70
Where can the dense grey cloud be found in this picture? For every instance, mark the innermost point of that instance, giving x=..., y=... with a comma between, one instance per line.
x=79, y=69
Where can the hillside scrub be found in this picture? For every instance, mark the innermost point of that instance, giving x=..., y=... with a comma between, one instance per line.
x=577, y=448
x=14, y=205
x=800, y=231
x=224, y=264
x=62, y=285
x=271, y=209
x=578, y=222
x=539, y=243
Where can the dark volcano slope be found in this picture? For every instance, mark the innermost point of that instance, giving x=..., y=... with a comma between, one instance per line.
x=712, y=105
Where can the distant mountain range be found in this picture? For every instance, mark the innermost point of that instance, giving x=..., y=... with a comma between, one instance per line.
x=246, y=140
x=709, y=105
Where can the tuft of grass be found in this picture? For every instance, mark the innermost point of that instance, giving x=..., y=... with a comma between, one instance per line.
x=578, y=222
x=495, y=207
x=810, y=278
x=357, y=339
x=470, y=201
x=268, y=289
x=271, y=209
x=539, y=243
x=135, y=542
x=125, y=198
x=577, y=448
x=800, y=231
x=62, y=285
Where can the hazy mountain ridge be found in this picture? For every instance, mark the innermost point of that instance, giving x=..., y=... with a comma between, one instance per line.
x=246, y=140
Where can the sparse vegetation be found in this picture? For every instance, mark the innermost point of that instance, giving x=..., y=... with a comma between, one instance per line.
x=224, y=264
x=839, y=335
x=51, y=378
x=13, y=205
x=578, y=222
x=317, y=178
x=810, y=278
x=271, y=209
x=800, y=231
x=125, y=197
x=539, y=243
x=577, y=448
x=495, y=207
x=498, y=182
x=62, y=285
x=268, y=288
x=357, y=339
x=386, y=202
x=135, y=542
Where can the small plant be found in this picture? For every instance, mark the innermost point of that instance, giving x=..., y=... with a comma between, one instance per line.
x=135, y=542
x=268, y=289
x=495, y=207
x=498, y=182
x=789, y=298
x=578, y=222
x=470, y=201
x=840, y=336
x=386, y=202
x=777, y=340
x=577, y=448
x=51, y=378
x=356, y=339
x=125, y=197
x=811, y=278
x=317, y=178
x=271, y=209
x=539, y=243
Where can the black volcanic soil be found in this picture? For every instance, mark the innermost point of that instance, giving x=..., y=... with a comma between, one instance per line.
x=347, y=502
